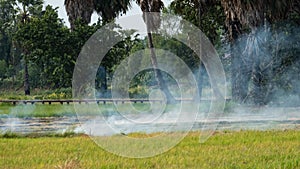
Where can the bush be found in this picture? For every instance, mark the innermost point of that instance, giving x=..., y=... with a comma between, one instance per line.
x=138, y=92
x=64, y=93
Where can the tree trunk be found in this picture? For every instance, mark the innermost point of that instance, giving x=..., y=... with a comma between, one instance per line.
x=103, y=82
x=26, y=78
x=262, y=72
x=200, y=80
x=240, y=71
x=12, y=63
x=158, y=75
x=260, y=87
x=240, y=77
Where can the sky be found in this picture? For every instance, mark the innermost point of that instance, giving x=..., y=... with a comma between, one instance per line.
x=62, y=13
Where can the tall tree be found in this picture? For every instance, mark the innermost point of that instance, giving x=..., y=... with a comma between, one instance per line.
x=7, y=17
x=26, y=10
x=208, y=16
x=151, y=14
x=47, y=40
x=79, y=9
x=247, y=60
x=109, y=9
x=83, y=9
x=8, y=49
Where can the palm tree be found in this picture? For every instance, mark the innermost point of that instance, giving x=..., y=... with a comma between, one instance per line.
x=107, y=9
x=79, y=9
x=252, y=14
x=151, y=14
x=26, y=10
x=83, y=9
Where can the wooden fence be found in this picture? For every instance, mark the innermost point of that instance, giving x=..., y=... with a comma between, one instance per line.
x=88, y=101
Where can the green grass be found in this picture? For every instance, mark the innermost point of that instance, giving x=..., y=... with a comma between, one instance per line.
x=55, y=110
x=58, y=110
x=245, y=149
x=11, y=135
x=36, y=94
x=37, y=110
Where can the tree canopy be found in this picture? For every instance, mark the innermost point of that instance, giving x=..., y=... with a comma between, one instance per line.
x=258, y=43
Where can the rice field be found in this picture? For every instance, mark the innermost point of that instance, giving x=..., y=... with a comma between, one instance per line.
x=227, y=149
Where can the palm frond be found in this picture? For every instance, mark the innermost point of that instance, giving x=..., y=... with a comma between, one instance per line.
x=253, y=13
x=151, y=12
x=79, y=9
x=110, y=9
x=246, y=12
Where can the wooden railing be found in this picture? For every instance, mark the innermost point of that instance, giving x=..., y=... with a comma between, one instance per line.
x=88, y=101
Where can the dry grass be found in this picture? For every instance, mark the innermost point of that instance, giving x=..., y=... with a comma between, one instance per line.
x=69, y=164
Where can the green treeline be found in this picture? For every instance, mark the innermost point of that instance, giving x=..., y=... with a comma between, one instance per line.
x=258, y=43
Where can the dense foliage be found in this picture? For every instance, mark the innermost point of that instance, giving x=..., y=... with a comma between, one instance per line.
x=260, y=56
x=37, y=38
